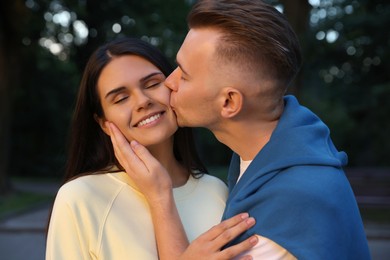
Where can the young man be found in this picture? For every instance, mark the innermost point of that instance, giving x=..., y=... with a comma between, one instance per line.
x=234, y=68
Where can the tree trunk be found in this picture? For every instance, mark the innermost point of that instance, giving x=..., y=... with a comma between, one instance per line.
x=4, y=116
x=297, y=13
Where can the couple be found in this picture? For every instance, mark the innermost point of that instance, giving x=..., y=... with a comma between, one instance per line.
x=234, y=67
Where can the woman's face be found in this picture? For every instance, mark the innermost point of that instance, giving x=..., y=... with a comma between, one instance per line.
x=134, y=98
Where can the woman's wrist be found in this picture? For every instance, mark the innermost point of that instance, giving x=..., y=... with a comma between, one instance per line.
x=161, y=201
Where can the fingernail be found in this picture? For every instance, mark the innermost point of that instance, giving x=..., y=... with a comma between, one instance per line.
x=253, y=240
x=250, y=221
x=244, y=215
x=134, y=143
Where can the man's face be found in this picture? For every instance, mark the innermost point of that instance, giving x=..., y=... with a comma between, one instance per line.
x=195, y=82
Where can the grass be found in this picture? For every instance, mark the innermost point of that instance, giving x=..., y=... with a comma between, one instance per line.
x=18, y=201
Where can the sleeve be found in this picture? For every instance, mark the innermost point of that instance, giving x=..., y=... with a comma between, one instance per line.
x=64, y=239
x=267, y=249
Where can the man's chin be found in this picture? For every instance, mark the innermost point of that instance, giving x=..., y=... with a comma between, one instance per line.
x=177, y=119
x=181, y=123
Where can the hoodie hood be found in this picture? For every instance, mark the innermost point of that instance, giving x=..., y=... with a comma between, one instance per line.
x=298, y=193
x=300, y=138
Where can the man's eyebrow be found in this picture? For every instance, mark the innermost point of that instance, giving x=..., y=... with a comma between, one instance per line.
x=181, y=68
x=114, y=91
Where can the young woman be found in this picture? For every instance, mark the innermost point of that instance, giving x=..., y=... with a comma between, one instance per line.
x=100, y=213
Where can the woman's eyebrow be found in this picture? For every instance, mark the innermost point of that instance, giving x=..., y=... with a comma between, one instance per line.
x=114, y=91
x=143, y=79
x=150, y=75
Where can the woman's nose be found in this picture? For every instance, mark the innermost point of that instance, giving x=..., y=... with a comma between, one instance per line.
x=142, y=101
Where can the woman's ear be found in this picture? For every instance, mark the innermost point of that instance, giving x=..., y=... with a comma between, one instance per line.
x=232, y=105
x=102, y=122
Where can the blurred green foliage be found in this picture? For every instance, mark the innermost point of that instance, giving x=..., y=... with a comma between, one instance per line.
x=347, y=81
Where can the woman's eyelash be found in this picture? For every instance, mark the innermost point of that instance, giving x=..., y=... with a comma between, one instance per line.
x=153, y=85
x=120, y=100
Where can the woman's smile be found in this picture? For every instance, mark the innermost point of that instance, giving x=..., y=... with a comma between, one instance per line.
x=149, y=120
x=137, y=102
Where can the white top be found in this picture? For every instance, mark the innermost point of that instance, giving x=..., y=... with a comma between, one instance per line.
x=265, y=248
x=103, y=216
x=243, y=166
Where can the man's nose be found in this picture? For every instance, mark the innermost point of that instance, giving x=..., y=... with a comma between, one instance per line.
x=172, y=81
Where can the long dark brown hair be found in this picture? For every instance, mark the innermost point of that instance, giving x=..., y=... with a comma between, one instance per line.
x=90, y=150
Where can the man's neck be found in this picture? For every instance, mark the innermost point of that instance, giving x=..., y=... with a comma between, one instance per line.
x=246, y=138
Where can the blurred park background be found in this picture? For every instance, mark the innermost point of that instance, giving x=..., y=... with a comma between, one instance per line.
x=44, y=46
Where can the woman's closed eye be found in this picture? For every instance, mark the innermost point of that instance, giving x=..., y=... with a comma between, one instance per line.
x=153, y=84
x=120, y=98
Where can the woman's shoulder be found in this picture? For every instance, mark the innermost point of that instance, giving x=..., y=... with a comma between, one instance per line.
x=212, y=182
x=85, y=181
x=208, y=178
x=88, y=185
x=204, y=188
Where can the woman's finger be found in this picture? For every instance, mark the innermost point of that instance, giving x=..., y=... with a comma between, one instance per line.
x=123, y=151
x=145, y=156
x=117, y=152
x=232, y=232
x=224, y=226
x=209, y=244
x=239, y=249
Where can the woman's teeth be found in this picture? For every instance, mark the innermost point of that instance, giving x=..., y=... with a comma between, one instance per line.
x=149, y=120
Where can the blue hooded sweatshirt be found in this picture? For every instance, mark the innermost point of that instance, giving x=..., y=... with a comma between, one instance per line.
x=298, y=193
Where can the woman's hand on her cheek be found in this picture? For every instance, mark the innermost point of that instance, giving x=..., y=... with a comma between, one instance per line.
x=146, y=171
x=209, y=244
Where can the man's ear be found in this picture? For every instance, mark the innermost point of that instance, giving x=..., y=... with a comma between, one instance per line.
x=101, y=121
x=233, y=100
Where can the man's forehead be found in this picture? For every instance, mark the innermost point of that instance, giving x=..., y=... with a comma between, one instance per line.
x=199, y=41
x=203, y=35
